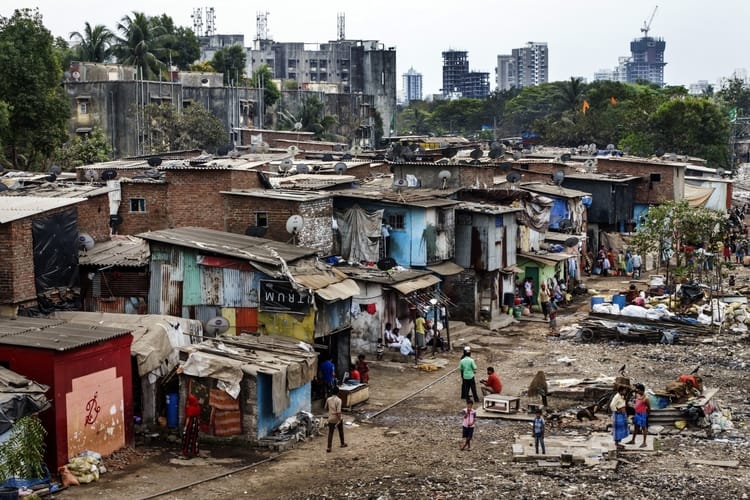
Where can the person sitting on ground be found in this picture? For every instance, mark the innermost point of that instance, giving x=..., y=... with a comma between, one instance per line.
x=492, y=384
x=389, y=336
x=406, y=348
x=397, y=339
x=354, y=375
x=632, y=294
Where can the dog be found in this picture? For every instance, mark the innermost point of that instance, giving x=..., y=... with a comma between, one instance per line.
x=588, y=412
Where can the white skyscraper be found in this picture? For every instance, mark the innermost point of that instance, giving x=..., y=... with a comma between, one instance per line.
x=412, y=82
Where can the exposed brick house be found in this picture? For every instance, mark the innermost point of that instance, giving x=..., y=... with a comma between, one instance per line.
x=272, y=208
x=662, y=181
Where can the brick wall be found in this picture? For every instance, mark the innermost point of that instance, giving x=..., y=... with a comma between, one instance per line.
x=645, y=191
x=473, y=175
x=156, y=215
x=93, y=217
x=317, y=214
x=461, y=289
x=368, y=169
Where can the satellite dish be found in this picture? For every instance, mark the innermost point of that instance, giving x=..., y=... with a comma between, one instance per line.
x=720, y=172
x=659, y=152
x=672, y=157
x=153, y=173
x=302, y=168
x=356, y=149
x=292, y=150
x=497, y=152
x=55, y=169
x=589, y=164
x=506, y=166
x=85, y=241
x=50, y=178
x=256, y=231
x=626, y=150
x=3, y=187
x=450, y=152
x=517, y=155
x=263, y=147
x=444, y=175
x=565, y=157
x=379, y=157
x=513, y=177
x=346, y=156
x=476, y=154
x=407, y=153
x=216, y=326
x=154, y=161
x=610, y=147
x=571, y=242
x=339, y=168
x=109, y=174
x=91, y=174
x=294, y=224
x=558, y=177
x=285, y=165
x=297, y=125
x=592, y=148
x=224, y=150
x=400, y=183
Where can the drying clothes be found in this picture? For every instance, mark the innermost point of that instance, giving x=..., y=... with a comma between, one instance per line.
x=372, y=308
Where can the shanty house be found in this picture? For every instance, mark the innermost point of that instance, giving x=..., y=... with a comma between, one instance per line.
x=247, y=385
x=87, y=369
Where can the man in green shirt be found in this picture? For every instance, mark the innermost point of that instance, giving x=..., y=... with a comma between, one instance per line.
x=468, y=367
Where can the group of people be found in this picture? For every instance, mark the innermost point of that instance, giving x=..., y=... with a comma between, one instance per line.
x=619, y=407
x=611, y=263
x=426, y=334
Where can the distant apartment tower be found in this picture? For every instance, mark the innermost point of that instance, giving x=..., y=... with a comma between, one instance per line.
x=524, y=67
x=458, y=81
x=647, y=60
x=412, y=82
x=699, y=87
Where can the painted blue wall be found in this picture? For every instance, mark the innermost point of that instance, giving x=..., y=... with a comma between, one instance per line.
x=407, y=247
x=299, y=400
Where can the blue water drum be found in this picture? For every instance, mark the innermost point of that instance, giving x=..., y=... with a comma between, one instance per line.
x=596, y=299
x=619, y=300
x=173, y=409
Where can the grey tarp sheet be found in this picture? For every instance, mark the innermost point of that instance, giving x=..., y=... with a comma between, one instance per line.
x=19, y=397
x=536, y=213
x=360, y=234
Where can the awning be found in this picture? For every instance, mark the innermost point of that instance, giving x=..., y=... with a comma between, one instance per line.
x=446, y=268
x=407, y=287
x=83, y=130
x=548, y=259
x=697, y=196
x=511, y=270
x=339, y=291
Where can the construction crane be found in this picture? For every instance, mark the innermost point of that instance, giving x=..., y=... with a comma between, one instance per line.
x=647, y=25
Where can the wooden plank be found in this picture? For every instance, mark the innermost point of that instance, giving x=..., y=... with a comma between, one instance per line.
x=716, y=463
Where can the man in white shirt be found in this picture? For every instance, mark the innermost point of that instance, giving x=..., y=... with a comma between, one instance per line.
x=406, y=348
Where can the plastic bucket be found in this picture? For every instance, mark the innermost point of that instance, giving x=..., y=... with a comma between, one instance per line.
x=517, y=312
x=8, y=493
x=173, y=409
x=596, y=299
x=620, y=300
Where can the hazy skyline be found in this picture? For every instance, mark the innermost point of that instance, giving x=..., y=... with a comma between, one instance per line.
x=704, y=40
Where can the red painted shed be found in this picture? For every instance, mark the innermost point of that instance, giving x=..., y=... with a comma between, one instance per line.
x=88, y=370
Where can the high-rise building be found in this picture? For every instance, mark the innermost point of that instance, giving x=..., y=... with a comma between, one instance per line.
x=647, y=60
x=458, y=81
x=412, y=82
x=524, y=67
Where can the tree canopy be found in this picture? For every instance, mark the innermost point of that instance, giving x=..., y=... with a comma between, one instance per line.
x=94, y=44
x=36, y=108
x=230, y=61
x=141, y=44
x=193, y=128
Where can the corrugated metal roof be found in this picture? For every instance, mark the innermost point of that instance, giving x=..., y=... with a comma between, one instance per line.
x=375, y=275
x=549, y=259
x=446, y=268
x=339, y=291
x=230, y=244
x=119, y=251
x=407, y=287
x=593, y=176
x=486, y=208
x=553, y=190
x=280, y=194
x=20, y=324
x=58, y=337
x=19, y=207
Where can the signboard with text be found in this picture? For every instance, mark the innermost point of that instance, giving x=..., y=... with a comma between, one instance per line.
x=279, y=296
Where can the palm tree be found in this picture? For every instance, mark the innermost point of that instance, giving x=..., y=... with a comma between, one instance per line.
x=140, y=44
x=94, y=44
x=570, y=93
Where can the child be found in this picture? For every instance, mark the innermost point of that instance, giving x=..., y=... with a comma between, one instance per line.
x=538, y=432
x=640, y=420
x=379, y=349
x=553, y=319
x=469, y=418
x=363, y=368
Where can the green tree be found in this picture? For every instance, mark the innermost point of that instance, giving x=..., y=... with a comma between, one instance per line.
x=94, y=44
x=141, y=44
x=202, y=67
x=30, y=85
x=230, y=61
x=180, y=44
x=84, y=150
x=570, y=94
x=263, y=78
x=194, y=128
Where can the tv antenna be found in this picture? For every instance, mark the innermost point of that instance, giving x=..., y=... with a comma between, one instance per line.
x=341, y=25
x=647, y=24
x=261, y=26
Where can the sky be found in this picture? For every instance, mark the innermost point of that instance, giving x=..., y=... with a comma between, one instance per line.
x=705, y=40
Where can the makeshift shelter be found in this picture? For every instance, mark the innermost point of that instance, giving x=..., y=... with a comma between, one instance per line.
x=156, y=338
x=247, y=385
x=19, y=397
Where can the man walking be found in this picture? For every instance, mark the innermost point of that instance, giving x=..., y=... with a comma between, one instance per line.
x=468, y=367
x=333, y=405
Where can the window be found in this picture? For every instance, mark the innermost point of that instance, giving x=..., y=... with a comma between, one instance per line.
x=83, y=108
x=396, y=221
x=137, y=205
x=261, y=219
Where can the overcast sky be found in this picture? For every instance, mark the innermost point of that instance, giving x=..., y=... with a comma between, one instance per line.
x=706, y=40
